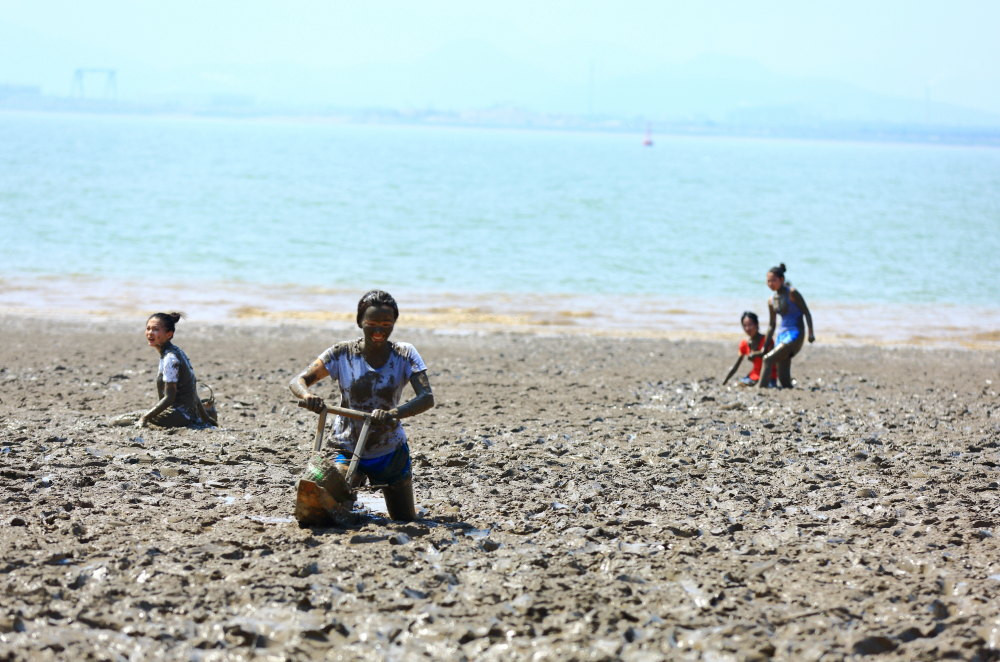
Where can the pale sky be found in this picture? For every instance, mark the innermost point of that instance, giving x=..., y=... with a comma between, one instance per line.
x=309, y=49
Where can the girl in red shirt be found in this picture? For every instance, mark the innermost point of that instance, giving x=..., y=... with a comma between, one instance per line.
x=754, y=347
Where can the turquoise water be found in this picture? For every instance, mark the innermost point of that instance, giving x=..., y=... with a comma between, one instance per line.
x=478, y=211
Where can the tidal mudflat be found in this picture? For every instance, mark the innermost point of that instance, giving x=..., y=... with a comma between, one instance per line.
x=582, y=498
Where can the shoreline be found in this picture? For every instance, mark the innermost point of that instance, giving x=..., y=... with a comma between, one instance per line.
x=975, y=136
x=634, y=316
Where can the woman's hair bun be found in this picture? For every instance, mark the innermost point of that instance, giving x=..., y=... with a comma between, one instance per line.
x=168, y=319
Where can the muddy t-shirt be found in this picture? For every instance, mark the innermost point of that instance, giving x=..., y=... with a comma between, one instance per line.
x=175, y=368
x=365, y=388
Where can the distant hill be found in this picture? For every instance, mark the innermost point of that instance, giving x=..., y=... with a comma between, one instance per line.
x=474, y=83
x=734, y=90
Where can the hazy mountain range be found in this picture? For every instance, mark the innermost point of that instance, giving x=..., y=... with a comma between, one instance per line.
x=712, y=88
x=473, y=76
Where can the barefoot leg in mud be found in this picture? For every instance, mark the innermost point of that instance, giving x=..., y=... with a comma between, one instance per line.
x=399, y=500
x=785, y=372
x=782, y=356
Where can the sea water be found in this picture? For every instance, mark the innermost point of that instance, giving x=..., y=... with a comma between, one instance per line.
x=263, y=212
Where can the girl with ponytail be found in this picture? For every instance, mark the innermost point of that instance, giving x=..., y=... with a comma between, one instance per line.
x=795, y=321
x=176, y=385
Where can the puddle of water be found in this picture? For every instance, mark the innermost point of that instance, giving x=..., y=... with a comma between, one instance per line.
x=271, y=520
x=477, y=533
x=372, y=502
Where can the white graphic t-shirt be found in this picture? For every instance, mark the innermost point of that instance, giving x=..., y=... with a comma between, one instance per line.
x=170, y=368
x=365, y=388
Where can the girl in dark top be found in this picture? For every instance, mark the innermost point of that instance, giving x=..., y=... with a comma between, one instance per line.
x=789, y=303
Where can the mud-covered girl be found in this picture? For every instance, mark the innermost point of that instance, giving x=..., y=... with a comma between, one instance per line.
x=176, y=385
x=371, y=373
x=795, y=321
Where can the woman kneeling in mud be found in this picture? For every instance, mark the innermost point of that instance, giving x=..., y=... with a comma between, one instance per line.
x=176, y=385
x=371, y=372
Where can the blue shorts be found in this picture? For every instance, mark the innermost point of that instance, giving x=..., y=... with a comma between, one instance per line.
x=384, y=469
x=788, y=336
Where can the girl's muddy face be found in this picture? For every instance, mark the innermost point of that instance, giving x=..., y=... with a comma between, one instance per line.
x=156, y=333
x=774, y=281
x=377, y=324
x=750, y=327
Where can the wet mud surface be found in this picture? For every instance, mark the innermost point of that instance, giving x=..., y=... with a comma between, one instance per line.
x=582, y=498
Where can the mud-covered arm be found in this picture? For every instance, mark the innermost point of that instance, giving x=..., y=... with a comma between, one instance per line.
x=421, y=402
x=300, y=385
x=169, y=395
x=772, y=321
x=801, y=303
x=732, y=371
